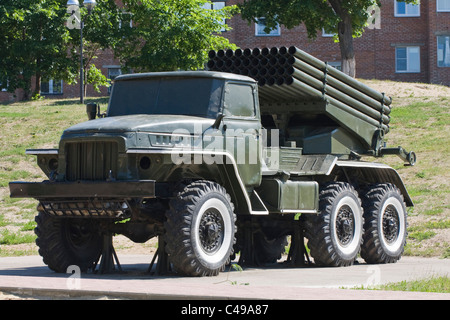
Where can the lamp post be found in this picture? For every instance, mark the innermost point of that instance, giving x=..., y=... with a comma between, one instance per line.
x=73, y=7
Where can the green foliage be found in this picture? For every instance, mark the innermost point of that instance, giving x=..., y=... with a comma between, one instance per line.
x=146, y=35
x=95, y=77
x=34, y=42
x=170, y=35
x=347, y=19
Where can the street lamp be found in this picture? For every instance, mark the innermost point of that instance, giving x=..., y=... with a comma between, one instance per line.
x=74, y=6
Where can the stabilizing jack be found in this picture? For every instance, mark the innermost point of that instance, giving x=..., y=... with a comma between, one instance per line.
x=108, y=256
x=163, y=265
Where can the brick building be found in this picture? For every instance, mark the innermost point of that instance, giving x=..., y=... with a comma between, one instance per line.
x=406, y=43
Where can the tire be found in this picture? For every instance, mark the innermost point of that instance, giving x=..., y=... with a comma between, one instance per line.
x=385, y=224
x=335, y=234
x=200, y=229
x=63, y=242
x=268, y=250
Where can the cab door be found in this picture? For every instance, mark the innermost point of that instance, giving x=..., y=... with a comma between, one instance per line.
x=242, y=130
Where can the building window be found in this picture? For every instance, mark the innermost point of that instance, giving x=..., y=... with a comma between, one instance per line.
x=216, y=5
x=326, y=34
x=260, y=27
x=51, y=86
x=443, y=51
x=407, y=59
x=403, y=9
x=336, y=65
x=443, y=5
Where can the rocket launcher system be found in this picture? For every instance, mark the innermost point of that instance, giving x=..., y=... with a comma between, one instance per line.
x=315, y=106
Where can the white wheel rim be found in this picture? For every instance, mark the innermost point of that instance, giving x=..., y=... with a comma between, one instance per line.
x=217, y=255
x=348, y=203
x=390, y=206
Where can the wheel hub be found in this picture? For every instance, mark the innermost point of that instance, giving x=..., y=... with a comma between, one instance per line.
x=211, y=231
x=345, y=225
x=390, y=224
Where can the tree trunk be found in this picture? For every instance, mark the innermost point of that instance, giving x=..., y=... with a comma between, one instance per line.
x=348, y=63
x=345, y=35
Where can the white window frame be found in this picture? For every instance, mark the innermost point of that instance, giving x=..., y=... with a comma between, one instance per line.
x=51, y=82
x=326, y=34
x=443, y=48
x=442, y=5
x=110, y=76
x=406, y=14
x=259, y=26
x=410, y=68
x=216, y=5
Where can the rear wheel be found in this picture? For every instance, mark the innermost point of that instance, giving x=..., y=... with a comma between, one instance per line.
x=200, y=229
x=335, y=234
x=63, y=242
x=385, y=216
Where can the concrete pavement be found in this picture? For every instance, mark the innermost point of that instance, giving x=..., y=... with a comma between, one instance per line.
x=29, y=276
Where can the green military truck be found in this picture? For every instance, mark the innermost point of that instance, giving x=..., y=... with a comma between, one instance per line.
x=265, y=146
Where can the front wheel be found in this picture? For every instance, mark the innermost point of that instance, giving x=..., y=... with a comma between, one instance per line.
x=335, y=234
x=65, y=241
x=200, y=229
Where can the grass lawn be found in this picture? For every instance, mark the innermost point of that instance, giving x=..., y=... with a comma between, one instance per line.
x=420, y=121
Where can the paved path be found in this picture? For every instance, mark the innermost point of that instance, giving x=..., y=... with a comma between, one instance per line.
x=29, y=276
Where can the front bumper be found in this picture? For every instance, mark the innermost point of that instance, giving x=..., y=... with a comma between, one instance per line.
x=83, y=189
x=92, y=199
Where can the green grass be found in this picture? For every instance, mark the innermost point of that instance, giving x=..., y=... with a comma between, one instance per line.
x=439, y=284
x=29, y=125
x=421, y=124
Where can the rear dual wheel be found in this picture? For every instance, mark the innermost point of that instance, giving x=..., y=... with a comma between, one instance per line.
x=385, y=224
x=335, y=234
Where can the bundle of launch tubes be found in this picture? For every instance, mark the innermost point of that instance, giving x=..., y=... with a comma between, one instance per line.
x=290, y=74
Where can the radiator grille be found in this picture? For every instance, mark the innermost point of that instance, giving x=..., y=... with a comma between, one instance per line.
x=91, y=160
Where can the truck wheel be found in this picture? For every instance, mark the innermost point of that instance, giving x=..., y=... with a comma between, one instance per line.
x=200, y=229
x=63, y=242
x=335, y=234
x=269, y=250
x=385, y=224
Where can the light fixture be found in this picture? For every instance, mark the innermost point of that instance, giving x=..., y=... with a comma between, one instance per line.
x=73, y=3
x=89, y=4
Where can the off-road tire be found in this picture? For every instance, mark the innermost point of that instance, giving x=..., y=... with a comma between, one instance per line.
x=385, y=224
x=200, y=229
x=63, y=242
x=335, y=234
x=268, y=250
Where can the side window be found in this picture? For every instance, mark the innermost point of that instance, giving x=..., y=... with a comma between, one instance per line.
x=239, y=100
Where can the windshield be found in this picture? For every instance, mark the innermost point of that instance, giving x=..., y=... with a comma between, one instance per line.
x=184, y=96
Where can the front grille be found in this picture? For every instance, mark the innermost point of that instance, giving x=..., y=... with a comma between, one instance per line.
x=91, y=160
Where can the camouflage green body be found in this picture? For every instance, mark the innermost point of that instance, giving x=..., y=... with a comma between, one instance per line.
x=148, y=151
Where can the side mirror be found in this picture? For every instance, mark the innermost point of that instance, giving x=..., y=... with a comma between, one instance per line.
x=91, y=110
x=219, y=118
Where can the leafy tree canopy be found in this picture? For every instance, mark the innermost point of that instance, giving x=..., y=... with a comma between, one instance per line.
x=171, y=34
x=346, y=18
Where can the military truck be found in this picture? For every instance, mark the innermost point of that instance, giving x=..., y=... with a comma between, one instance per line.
x=265, y=146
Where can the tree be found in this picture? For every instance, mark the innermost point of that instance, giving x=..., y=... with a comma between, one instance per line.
x=33, y=43
x=346, y=18
x=170, y=35
x=101, y=31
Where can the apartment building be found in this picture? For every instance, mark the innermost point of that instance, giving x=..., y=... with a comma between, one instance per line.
x=405, y=43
